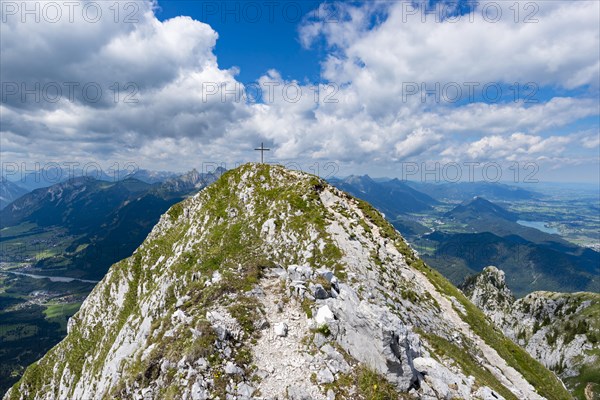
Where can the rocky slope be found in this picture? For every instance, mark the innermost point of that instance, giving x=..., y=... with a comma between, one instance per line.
x=561, y=330
x=271, y=284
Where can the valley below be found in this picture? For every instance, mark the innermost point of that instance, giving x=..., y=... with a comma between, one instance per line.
x=34, y=311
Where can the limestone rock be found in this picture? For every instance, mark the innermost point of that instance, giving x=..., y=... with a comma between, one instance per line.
x=281, y=329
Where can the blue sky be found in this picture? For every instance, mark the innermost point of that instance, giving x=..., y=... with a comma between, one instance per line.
x=343, y=83
x=255, y=41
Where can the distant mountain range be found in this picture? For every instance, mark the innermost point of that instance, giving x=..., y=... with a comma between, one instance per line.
x=77, y=203
x=461, y=191
x=107, y=220
x=9, y=192
x=481, y=215
x=15, y=187
x=529, y=266
x=149, y=176
x=393, y=198
x=46, y=177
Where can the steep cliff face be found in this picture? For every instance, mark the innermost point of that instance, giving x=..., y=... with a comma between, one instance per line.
x=271, y=284
x=561, y=330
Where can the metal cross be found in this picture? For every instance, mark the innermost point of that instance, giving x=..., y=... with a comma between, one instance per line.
x=262, y=150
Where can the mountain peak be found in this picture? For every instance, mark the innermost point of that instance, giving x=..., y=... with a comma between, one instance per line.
x=488, y=291
x=272, y=283
x=359, y=179
x=478, y=207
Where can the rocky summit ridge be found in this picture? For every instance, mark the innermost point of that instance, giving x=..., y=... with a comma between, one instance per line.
x=272, y=284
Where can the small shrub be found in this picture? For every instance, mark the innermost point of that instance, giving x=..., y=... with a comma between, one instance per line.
x=551, y=337
x=373, y=386
x=307, y=307
x=324, y=330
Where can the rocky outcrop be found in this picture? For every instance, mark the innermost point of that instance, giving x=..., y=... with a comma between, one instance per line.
x=271, y=284
x=489, y=292
x=561, y=330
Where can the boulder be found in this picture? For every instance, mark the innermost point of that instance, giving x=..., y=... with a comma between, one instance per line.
x=281, y=329
x=324, y=315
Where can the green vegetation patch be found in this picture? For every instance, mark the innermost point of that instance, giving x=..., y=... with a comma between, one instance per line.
x=175, y=211
x=60, y=313
x=467, y=363
x=369, y=385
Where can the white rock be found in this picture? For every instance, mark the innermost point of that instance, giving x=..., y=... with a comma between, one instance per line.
x=180, y=317
x=330, y=395
x=443, y=382
x=181, y=301
x=202, y=364
x=300, y=272
x=324, y=315
x=216, y=277
x=485, y=393
x=281, y=329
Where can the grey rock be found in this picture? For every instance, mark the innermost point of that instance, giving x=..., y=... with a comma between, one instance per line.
x=244, y=390
x=232, y=212
x=516, y=319
x=319, y=339
x=198, y=392
x=319, y=292
x=325, y=376
x=201, y=364
x=325, y=273
x=147, y=393
x=307, y=295
x=232, y=369
x=181, y=301
x=261, y=324
x=297, y=393
x=374, y=335
x=165, y=366
x=336, y=362
x=300, y=272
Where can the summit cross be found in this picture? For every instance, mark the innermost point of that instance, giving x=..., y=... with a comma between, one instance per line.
x=262, y=150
